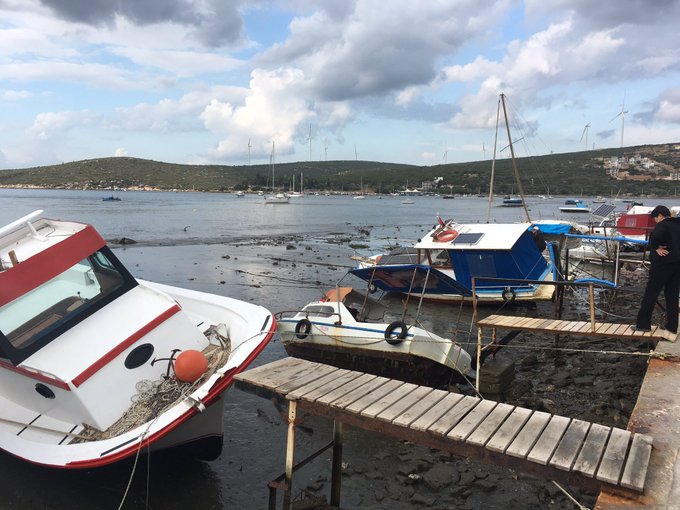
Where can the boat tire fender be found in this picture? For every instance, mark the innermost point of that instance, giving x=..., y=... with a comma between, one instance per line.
x=396, y=332
x=509, y=294
x=303, y=328
x=372, y=289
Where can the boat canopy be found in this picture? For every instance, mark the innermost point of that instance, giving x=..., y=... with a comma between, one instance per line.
x=478, y=236
x=415, y=278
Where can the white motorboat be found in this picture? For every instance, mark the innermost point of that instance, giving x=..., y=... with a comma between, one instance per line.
x=96, y=366
x=348, y=329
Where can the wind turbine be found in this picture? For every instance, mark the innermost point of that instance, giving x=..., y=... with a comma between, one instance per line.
x=325, y=149
x=446, y=153
x=622, y=114
x=309, y=139
x=249, y=146
x=585, y=133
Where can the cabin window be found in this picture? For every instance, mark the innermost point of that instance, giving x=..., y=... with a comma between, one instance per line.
x=37, y=317
x=319, y=311
x=439, y=259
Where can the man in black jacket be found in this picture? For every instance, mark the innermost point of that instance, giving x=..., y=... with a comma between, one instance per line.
x=664, y=273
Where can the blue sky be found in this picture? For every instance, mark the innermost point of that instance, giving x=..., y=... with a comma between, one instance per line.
x=212, y=81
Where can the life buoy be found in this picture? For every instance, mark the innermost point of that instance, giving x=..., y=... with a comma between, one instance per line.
x=372, y=289
x=508, y=294
x=447, y=235
x=303, y=328
x=390, y=335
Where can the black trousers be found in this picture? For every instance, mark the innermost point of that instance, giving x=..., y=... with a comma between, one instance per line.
x=666, y=277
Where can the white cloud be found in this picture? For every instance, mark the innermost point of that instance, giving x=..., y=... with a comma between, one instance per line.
x=120, y=152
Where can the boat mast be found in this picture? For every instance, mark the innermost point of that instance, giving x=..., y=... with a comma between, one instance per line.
x=514, y=164
x=493, y=163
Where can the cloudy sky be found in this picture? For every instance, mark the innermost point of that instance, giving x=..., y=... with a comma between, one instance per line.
x=222, y=81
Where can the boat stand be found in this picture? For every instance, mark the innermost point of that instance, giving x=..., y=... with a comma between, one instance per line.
x=284, y=481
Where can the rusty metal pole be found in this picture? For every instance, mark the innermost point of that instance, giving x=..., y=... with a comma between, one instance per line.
x=336, y=474
x=591, y=295
x=290, y=453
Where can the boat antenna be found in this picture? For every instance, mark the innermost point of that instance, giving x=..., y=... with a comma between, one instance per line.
x=514, y=163
x=493, y=163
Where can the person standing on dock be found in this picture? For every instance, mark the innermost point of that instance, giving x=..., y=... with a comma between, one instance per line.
x=664, y=273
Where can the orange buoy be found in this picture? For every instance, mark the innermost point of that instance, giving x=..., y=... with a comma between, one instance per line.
x=190, y=365
x=447, y=235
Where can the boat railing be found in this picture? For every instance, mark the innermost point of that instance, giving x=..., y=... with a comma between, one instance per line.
x=307, y=314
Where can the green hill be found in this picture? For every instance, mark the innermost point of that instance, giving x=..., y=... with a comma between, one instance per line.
x=566, y=174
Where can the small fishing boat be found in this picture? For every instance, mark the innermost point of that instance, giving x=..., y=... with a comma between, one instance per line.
x=240, y=194
x=349, y=329
x=509, y=201
x=111, y=199
x=97, y=366
x=504, y=260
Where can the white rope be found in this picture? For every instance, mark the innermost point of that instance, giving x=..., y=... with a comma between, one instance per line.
x=579, y=505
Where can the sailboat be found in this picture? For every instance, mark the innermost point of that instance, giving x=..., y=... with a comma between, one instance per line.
x=295, y=194
x=275, y=198
x=361, y=195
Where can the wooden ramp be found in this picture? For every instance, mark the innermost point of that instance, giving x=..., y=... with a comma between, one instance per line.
x=549, y=446
x=583, y=328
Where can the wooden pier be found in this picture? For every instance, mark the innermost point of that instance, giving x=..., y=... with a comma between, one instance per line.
x=555, y=447
x=581, y=328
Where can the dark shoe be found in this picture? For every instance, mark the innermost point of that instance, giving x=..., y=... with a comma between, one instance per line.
x=638, y=328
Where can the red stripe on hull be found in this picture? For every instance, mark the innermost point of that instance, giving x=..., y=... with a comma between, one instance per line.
x=113, y=353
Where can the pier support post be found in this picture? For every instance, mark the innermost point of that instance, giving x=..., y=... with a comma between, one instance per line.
x=591, y=299
x=290, y=454
x=336, y=474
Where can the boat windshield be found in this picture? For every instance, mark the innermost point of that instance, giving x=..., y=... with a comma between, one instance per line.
x=37, y=317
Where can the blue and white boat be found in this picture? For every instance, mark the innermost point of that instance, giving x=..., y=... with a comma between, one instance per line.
x=350, y=330
x=574, y=206
x=504, y=259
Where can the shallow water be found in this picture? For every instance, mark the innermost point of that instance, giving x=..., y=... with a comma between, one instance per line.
x=279, y=256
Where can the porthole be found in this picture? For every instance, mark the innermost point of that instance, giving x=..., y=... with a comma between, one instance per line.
x=138, y=356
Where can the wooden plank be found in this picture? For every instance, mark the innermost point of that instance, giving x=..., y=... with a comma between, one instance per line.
x=416, y=411
x=489, y=321
x=436, y=412
x=331, y=385
x=614, y=455
x=510, y=428
x=348, y=388
x=545, y=323
x=451, y=418
x=387, y=400
x=550, y=438
x=623, y=329
x=635, y=472
x=611, y=327
x=591, y=453
x=365, y=389
x=551, y=325
x=359, y=405
x=310, y=376
x=529, y=434
x=570, y=445
x=312, y=385
x=490, y=425
x=405, y=403
x=585, y=327
x=265, y=374
x=472, y=420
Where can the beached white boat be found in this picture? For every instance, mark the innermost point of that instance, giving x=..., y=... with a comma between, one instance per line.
x=96, y=366
x=348, y=329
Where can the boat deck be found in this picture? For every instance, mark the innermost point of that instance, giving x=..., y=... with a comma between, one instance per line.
x=549, y=446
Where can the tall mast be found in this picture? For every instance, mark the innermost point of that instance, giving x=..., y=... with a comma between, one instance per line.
x=493, y=162
x=514, y=164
